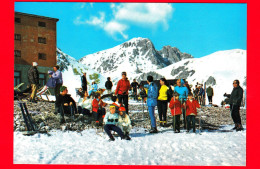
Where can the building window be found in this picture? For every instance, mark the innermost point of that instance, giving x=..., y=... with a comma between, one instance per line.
x=17, y=37
x=41, y=40
x=42, y=56
x=17, y=20
x=17, y=78
x=42, y=24
x=42, y=79
x=17, y=53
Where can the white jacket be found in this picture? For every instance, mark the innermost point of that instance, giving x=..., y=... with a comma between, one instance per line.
x=86, y=104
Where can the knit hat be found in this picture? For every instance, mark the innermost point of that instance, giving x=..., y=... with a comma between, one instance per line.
x=112, y=107
x=62, y=88
x=123, y=73
x=35, y=64
x=122, y=109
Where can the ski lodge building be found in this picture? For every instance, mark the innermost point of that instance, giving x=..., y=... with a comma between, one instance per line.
x=34, y=41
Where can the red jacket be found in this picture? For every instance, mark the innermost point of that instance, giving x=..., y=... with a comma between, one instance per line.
x=95, y=105
x=122, y=86
x=175, y=107
x=191, y=107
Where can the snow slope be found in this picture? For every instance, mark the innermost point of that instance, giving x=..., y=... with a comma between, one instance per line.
x=208, y=149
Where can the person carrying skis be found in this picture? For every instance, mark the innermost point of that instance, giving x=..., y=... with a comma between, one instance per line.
x=175, y=106
x=191, y=106
x=108, y=85
x=65, y=104
x=84, y=83
x=134, y=86
x=183, y=93
x=94, y=88
x=33, y=78
x=111, y=121
x=97, y=109
x=122, y=88
x=210, y=94
x=152, y=101
x=235, y=103
x=124, y=122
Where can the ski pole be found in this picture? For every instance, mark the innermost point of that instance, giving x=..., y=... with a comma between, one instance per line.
x=24, y=117
x=29, y=117
x=174, y=125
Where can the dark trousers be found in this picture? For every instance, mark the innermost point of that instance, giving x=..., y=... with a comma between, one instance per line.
x=210, y=99
x=176, y=122
x=135, y=93
x=235, y=113
x=191, y=119
x=183, y=110
x=83, y=111
x=56, y=93
x=123, y=99
x=109, y=127
x=162, y=109
x=84, y=88
x=98, y=115
x=68, y=110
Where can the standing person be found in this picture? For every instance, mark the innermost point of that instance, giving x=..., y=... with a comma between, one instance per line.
x=162, y=102
x=111, y=121
x=33, y=78
x=210, y=94
x=122, y=88
x=201, y=95
x=84, y=83
x=152, y=101
x=134, y=86
x=183, y=94
x=57, y=75
x=175, y=106
x=235, y=103
x=191, y=107
x=94, y=88
x=108, y=85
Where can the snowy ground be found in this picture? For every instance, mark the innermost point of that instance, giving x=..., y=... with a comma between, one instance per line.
x=166, y=148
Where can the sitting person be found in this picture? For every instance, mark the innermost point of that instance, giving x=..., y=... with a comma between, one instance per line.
x=98, y=110
x=114, y=98
x=124, y=122
x=51, y=83
x=111, y=120
x=65, y=104
x=85, y=105
x=80, y=92
x=94, y=88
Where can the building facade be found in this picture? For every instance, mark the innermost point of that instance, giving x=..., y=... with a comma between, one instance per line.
x=35, y=41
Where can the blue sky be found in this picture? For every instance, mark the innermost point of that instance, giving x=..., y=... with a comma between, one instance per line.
x=195, y=28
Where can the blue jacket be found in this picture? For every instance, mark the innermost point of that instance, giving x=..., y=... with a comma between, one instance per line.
x=152, y=94
x=182, y=91
x=58, y=77
x=94, y=87
x=111, y=117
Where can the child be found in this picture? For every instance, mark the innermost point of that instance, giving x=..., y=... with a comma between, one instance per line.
x=114, y=98
x=175, y=106
x=97, y=109
x=124, y=122
x=191, y=111
x=111, y=120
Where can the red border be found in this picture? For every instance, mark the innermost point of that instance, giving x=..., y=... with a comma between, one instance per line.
x=6, y=89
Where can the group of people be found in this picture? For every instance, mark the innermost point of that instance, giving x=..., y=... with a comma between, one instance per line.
x=182, y=102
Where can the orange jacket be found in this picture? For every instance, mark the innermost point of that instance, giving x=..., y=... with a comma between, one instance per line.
x=175, y=107
x=96, y=105
x=122, y=86
x=191, y=107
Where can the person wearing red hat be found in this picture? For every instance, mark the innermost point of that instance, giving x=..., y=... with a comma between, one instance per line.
x=124, y=122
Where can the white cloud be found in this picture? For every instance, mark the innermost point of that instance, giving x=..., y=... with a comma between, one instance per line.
x=126, y=14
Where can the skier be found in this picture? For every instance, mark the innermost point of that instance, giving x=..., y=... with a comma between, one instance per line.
x=108, y=85
x=134, y=86
x=122, y=88
x=97, y=109
x=175, y=106
x=33, y=78
x=84, y=83
x=191, y=106
x=65, y=104
x=85, y=105
x=162, y=102
x=124, y=122
x=183, y=93
x=201, y=95
x=94, y=88
x=235, y=103
x=111, y=120
x=152, y=101
x=210, y=94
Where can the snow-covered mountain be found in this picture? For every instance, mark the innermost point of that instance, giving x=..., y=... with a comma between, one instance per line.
x=218, y=70
x=135, y=56
x=72, y=71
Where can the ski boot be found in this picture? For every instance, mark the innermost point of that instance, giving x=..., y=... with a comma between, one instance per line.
x=111, y=138
x=153, y=130
x=239, y=127
x=127, y=136
x=235, y=128
x=161, y=123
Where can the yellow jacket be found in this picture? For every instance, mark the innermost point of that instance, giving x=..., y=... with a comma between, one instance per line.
x=163, y=93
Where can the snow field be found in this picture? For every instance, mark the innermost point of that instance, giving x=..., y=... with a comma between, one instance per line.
x=167, y=148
